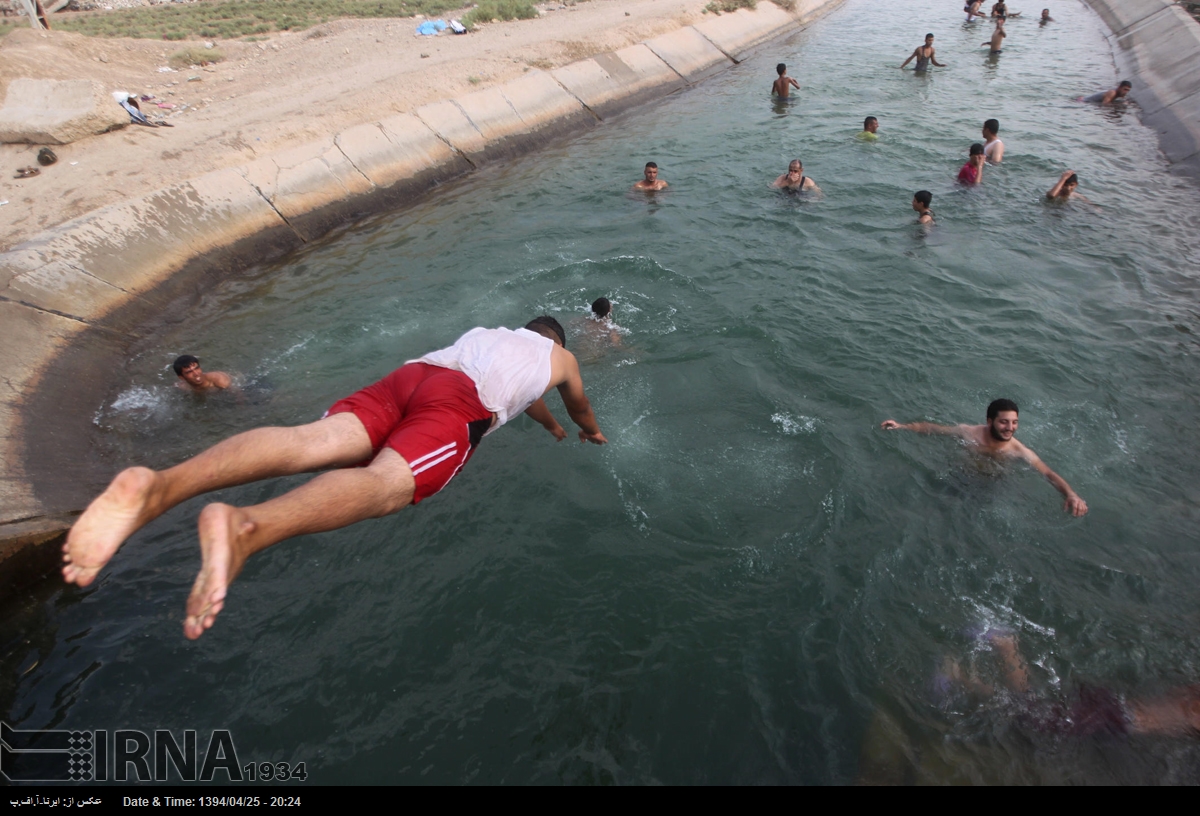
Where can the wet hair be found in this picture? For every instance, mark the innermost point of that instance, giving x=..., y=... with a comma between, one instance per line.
x=868, y=121
x=929, y=35
x=182, y=362
x=1125, y=83
x=992, y=125
x=548, y=327
x=924, y=196
x=977, y=149
x=651, y=164
x=795, y=161
x=1071, y=179
x=601, y=307
x=999, y=405
x=781, y=69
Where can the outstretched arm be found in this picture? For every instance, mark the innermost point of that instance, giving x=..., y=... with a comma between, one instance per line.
x=540, y=414
x=934, y=60
x=795, y=84
x=926, y=428
x=1073, y=504
x=566, y=377
x=911, y=57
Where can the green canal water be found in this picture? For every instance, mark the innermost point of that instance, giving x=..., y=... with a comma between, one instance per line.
x=752, y=583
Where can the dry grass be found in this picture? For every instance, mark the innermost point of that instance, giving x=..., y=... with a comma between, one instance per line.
x=489, y=10
x=233, y=19
x=194, y=55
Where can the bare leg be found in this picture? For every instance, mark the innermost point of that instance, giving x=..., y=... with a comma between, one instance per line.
x=138, y=495
x=1016, y=677
x=229, y=535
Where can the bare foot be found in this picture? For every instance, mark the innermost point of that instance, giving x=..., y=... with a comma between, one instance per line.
x=222, y=529
x=111, y=518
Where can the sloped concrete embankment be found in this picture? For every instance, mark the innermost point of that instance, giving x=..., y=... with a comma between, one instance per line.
x=1157, y=47
x=74, y=298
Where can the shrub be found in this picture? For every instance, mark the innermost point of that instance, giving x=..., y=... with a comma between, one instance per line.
x=489, y=10
x=718, y=6
x=194, y=55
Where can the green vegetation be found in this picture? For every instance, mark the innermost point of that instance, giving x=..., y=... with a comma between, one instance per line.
x=194, y=55
x=231, y=19
x=489, y=10
x=718, y=6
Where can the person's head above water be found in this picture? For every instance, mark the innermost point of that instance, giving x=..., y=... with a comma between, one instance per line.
x=922, y=197
x=977, y=149
x=602, y=307
x=1002, y=419
x=183, y=362
x=1125, y=87
x=549, y=328
x=650, y=171
x=991, y=128
x=928, y=39
x=781, y=69
x=1045, y=14
x=187, y=368
x=1070, y=184
x=870, y=124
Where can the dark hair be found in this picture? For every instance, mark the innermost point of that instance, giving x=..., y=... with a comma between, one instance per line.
x=651, y=164
x=927, y=36
x=993, y=125
x=924, y=196
x=545, y=325
x=1125, y=83
x=182, y=362
x=999, y=405
x=868, y=121
x=1071, y=179
x=781, y=69
x=977, y=149
x=796, y=161
x=601, y=307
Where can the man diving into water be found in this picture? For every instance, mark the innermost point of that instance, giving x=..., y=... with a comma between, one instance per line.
x=412, y=432
x=996, y=439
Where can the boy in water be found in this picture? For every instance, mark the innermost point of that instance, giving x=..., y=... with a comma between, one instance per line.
x=193, y=378
x=998, y=36
x=651, y=183
x=1046, y=18
x=782, y=86
x=993, y=148
x=972, y=171
x=870, y=125
x=921, y=201
x=1109, y=97
x=972, y=10
x=1064, y=189
x=795, y=180
x=923, y=54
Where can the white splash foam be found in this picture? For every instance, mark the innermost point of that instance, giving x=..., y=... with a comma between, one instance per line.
x=792, y=426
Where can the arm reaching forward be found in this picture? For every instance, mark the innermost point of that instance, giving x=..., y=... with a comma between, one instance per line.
x=1072, y=504
x=564, y=375
x=963, y=431
x=540, y=414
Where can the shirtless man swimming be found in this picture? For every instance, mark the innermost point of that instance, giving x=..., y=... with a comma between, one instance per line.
x=651, y=183
x=782, y=86
x=996, y=439
x=1111, y=96
x=413, y=431
x=972, y=10
x=193, y=378
x=795, y=180
x=923, y=54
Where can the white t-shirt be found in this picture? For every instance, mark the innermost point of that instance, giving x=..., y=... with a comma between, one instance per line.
x=990, y=148
x=510, y=369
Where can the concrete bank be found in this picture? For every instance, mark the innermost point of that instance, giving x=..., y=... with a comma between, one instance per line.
x=75, y=297
x=1157, y=47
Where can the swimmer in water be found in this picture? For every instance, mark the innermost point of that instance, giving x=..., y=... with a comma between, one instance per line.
x=1000, y=11
x=972, y=171
x=1095, y=710
x=412, y=431
x=1109, y=97
x=193, y=378
x=921, y=201
x=1064, y=189
x=600, y=325
x=993, y=148
x=998, y=36
x=1046, y=18
x=973, y=12
x=870, y=125
x=795, y=180
x=996, y=438
x=923, y=54
x=651, y=183
x=782, y=86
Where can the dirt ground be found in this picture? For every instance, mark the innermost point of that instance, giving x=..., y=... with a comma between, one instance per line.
x=279, y=93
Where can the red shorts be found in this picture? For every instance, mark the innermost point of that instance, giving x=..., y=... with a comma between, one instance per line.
x=430, y=415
